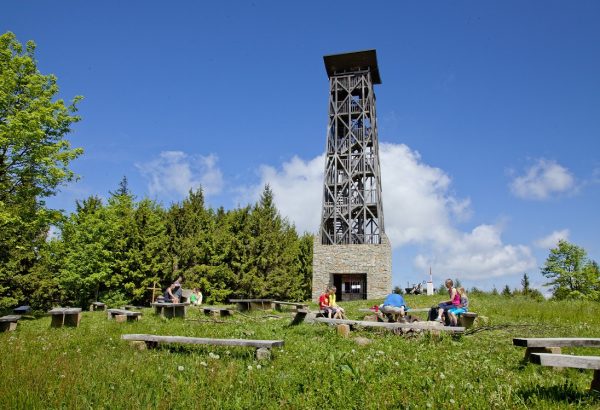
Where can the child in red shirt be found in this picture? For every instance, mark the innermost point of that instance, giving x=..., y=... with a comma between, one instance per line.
x=324, y=304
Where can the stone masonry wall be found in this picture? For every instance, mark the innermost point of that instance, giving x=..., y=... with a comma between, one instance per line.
x=374, y=260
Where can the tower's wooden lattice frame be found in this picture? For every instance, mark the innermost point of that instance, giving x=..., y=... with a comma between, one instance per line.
x=352, y=209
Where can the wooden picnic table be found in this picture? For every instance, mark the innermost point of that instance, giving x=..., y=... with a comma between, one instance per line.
x=217, y=311
x=22, y=310
x=65, y=317
x=170, y=310
x=8, y=323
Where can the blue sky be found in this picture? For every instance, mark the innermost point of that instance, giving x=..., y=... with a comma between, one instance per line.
x=489, y=115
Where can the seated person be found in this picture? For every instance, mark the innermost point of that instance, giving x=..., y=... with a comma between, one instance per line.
x=196, y=297
x=393, y=307
x=338, y=311
x=174, y=292
x=454, y=301
x=463, y=307
x=324, y=304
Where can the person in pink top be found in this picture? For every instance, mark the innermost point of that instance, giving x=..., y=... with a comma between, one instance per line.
x=449, y=304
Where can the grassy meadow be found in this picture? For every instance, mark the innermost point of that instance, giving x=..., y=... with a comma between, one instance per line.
x=91, y=367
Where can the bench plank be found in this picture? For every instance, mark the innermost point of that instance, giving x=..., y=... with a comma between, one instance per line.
x=566, y=360
x=557, y=342
x=395, y=325
x=203, y=341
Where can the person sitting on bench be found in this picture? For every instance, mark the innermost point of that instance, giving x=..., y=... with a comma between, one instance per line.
x=324, y=304
x=393, y=307
x=454, y=312
x=174, y=292
x=454, y=301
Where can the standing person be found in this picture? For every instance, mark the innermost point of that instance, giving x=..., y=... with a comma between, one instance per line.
x=324, y=303
x=393, y=307
x=448, y=304
x=338, y=311
x=463, y=307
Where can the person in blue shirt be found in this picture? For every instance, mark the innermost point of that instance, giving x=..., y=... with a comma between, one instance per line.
x=393, y=307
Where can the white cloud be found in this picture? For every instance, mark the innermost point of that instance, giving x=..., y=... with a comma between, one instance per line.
x=419, y=209
x=542, y=180
x=550, y=241
x=174, y=173
x=297, y=187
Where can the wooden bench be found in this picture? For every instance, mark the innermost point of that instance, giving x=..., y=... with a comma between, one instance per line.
x=130, y=315
x=97, y=306
x=277, y=305
x=250, y=304
x=263, y=347
x=8, y=323
x=553, y=344
x=393, y=326
x=215, y=311
x=170, y=310
x=566, y=360
x=65, y=317
x=22, y=310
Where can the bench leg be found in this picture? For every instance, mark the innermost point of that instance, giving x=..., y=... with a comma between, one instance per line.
x=529, y=350
x=151, y=345
x=596, y=381
x=263, y=353
x=72, y=320
x=8, y=326
x=57, y=320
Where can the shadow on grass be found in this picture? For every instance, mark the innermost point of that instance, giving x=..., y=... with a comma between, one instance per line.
x=566, y=393
x=235, y=352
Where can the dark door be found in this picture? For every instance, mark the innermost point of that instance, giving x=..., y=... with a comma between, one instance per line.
x=350, y=286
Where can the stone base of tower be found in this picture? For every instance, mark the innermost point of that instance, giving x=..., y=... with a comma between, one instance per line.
x=348, y=265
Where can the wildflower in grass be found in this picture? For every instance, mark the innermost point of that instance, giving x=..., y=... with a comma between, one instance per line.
x=452, y=401
x=442, y=376
x=214, y=356
x=380, y=352
x=258, y=366
x=203, y=364
x=396, y=364
x=249, y=367
x=180, y=368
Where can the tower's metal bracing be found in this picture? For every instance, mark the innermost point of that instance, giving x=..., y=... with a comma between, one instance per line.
x=352, y=212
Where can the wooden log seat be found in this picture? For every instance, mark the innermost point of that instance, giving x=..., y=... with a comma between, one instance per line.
x=97, y=306
x=252, y=304
x=278, y=305
x=263, y=347
x=215, y=311
x=393, y=326
x=567, y=360
x=553, y=344
x=129, y=314
x=22, y=310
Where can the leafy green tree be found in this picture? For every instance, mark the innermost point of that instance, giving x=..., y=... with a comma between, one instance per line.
x=572, y=275
x=34, y=162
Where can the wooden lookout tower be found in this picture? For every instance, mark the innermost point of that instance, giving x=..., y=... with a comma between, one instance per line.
x=351, y=250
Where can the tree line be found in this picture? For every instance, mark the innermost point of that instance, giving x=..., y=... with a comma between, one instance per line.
x=115, y=251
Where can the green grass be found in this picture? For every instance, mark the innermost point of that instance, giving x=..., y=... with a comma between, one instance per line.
x=91, y=367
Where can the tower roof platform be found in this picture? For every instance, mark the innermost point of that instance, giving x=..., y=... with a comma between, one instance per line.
x=353, y=61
